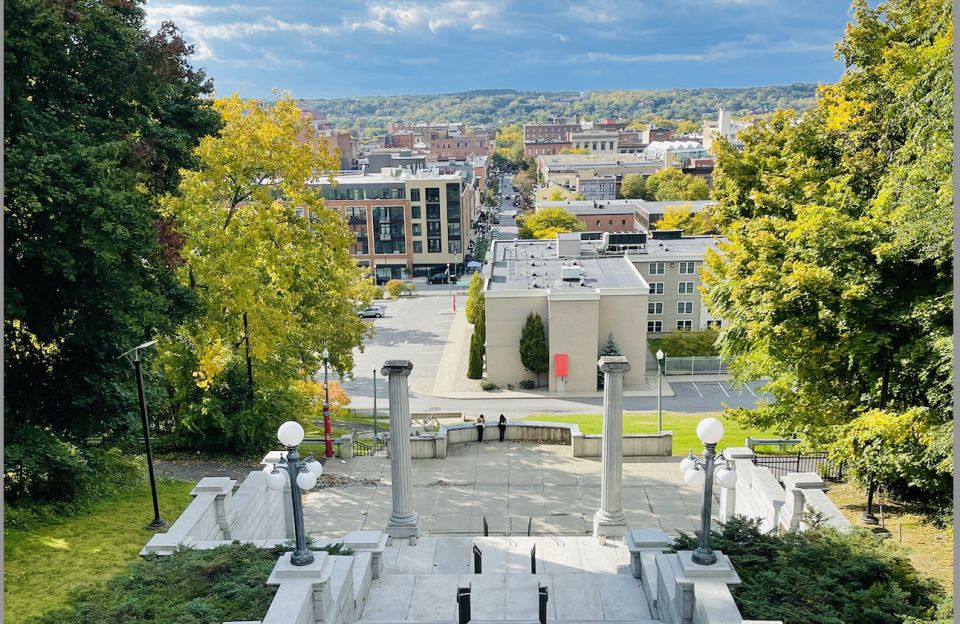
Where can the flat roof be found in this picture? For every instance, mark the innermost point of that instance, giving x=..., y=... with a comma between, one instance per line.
x=677, y=248
x=534, y=265
x=381, y=179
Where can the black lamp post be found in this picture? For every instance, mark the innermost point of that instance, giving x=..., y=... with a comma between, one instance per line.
x=157, y=521
x=302, y=475
x=698, y=471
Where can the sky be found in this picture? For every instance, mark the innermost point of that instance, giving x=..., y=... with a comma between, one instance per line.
x=321, y=49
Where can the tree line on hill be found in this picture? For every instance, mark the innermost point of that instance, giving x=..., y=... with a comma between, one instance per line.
x=509, y=106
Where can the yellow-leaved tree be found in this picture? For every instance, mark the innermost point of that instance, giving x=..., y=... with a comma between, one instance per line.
x=272, y=271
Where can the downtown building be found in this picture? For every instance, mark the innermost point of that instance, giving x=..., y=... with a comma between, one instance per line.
x=405, y=223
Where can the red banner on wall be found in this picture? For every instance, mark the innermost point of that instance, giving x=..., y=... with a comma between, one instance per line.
x=560, y=364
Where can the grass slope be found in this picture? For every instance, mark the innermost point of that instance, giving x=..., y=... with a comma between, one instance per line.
x=45, y=565
x=684, y=427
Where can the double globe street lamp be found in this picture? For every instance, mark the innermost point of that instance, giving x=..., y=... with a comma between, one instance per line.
x=302, y=475
x=698, y=471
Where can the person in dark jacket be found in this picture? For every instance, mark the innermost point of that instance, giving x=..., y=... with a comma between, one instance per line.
x=502, y=426
x=480, y=426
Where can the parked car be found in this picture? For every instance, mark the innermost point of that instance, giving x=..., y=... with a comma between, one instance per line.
x=439, y=278
x=496, y=219
x=374, y=311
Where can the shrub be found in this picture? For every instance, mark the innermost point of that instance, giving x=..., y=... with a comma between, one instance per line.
x=394, y=288
x=488, y=385
x=509, y=386
x=378, y=293
x=534, y=354
x=409, y=288
x=686, y=343
x=821, y=575
x=527, y=384
x=475, y=365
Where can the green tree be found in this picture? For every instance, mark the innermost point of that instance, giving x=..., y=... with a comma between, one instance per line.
x=277, y=288
x=394, y=288
x=837, y=276
x=633, y=187
x=475, y=365
x=99, y=117
x=522, y=182
x=556, y=195
x=671, y=184
x=680, y=218
x=534, y=354
x=611, y=348
x=475, y=298
x=679, y=343
x=548, y=221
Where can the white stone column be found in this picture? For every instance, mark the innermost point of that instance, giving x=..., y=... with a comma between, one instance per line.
x=610, y=519
x=404, y=521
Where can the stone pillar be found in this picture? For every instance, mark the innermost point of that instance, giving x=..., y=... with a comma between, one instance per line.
x=610, y=519
x=404, y=521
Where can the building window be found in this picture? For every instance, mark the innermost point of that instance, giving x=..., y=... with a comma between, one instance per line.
x=684, y=325
x=454, y=246
x=655, y=307
x=657, y=268
x=610, y=222
x=417, y=229
x=687, y=268
x=433, y=228
x=453, y=230
x=433, y=245
x=686, y=288
x=414, y=211
x=433, y=196
x=684, y=307
x=656, y=288
x=713, y=324
x=598, y=223
x=417, y=246
x=655, y=327
x=433, y=211
x=623, y=222
x=299, y=212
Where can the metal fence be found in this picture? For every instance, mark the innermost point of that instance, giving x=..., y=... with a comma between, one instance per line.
x=694, y=366
x=819, y=463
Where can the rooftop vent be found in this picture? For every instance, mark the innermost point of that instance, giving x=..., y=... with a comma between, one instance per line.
x=570, y=273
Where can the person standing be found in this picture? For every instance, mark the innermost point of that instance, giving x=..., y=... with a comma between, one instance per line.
x=480, y=426
x=502, y=426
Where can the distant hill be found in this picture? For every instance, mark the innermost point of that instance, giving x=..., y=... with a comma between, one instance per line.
x=510, y=106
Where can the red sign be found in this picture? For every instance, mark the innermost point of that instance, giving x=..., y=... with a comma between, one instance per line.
x=560, y=364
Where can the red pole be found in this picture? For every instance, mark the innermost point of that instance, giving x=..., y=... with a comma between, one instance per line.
x=326, y=430
x=454, y=302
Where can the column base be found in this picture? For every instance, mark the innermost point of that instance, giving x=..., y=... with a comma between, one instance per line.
x=611, y=525
x=403, y=527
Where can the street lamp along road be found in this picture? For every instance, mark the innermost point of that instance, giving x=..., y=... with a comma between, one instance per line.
x=302, y=475
x=659, y=390
x=698, y=471
x=157, y=521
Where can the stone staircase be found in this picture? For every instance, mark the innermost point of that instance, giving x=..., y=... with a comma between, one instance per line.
x=585, y=582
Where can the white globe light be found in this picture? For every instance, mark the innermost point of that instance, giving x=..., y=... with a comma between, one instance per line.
x=276, y=480
x=687, y=463
x=659, y=354
x=315, y=467
x=306, y=480
x=727, y=478
x=290, y=433
x=710, y=430
x=694, y=477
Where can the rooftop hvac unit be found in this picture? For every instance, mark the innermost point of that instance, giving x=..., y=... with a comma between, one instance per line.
x=570, y=273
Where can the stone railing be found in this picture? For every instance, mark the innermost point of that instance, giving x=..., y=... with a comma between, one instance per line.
x=434, y=445
x=758, y=494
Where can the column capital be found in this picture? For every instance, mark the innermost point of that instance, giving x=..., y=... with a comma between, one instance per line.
x=613, y=364
x=396, y=367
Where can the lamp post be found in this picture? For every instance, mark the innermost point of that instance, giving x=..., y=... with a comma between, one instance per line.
x=698, y=471
x=157, y=521
x=374, y=403
x=302, y=475
x=659, y=390
x=328, y=440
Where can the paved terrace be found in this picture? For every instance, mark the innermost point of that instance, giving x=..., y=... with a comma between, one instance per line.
x=509, y=483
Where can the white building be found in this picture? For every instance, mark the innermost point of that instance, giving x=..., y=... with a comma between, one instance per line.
x=725, y=127
x=676, y=151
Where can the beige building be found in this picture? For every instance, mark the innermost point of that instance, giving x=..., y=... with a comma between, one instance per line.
x=581, y=298
x=596, y=141
x=567, y=170
x=671, y=267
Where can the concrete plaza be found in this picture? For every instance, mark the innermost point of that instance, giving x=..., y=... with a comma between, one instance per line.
x=509, y=483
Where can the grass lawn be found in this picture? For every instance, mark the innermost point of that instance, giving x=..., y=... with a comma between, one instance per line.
x=45, y=565
x=684, y=427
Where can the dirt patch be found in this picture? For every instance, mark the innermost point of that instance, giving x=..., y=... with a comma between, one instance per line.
x=930, y=548
x=333, y=480
x=442, y=483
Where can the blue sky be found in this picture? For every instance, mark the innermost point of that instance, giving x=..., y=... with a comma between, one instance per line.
x=337, y=49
